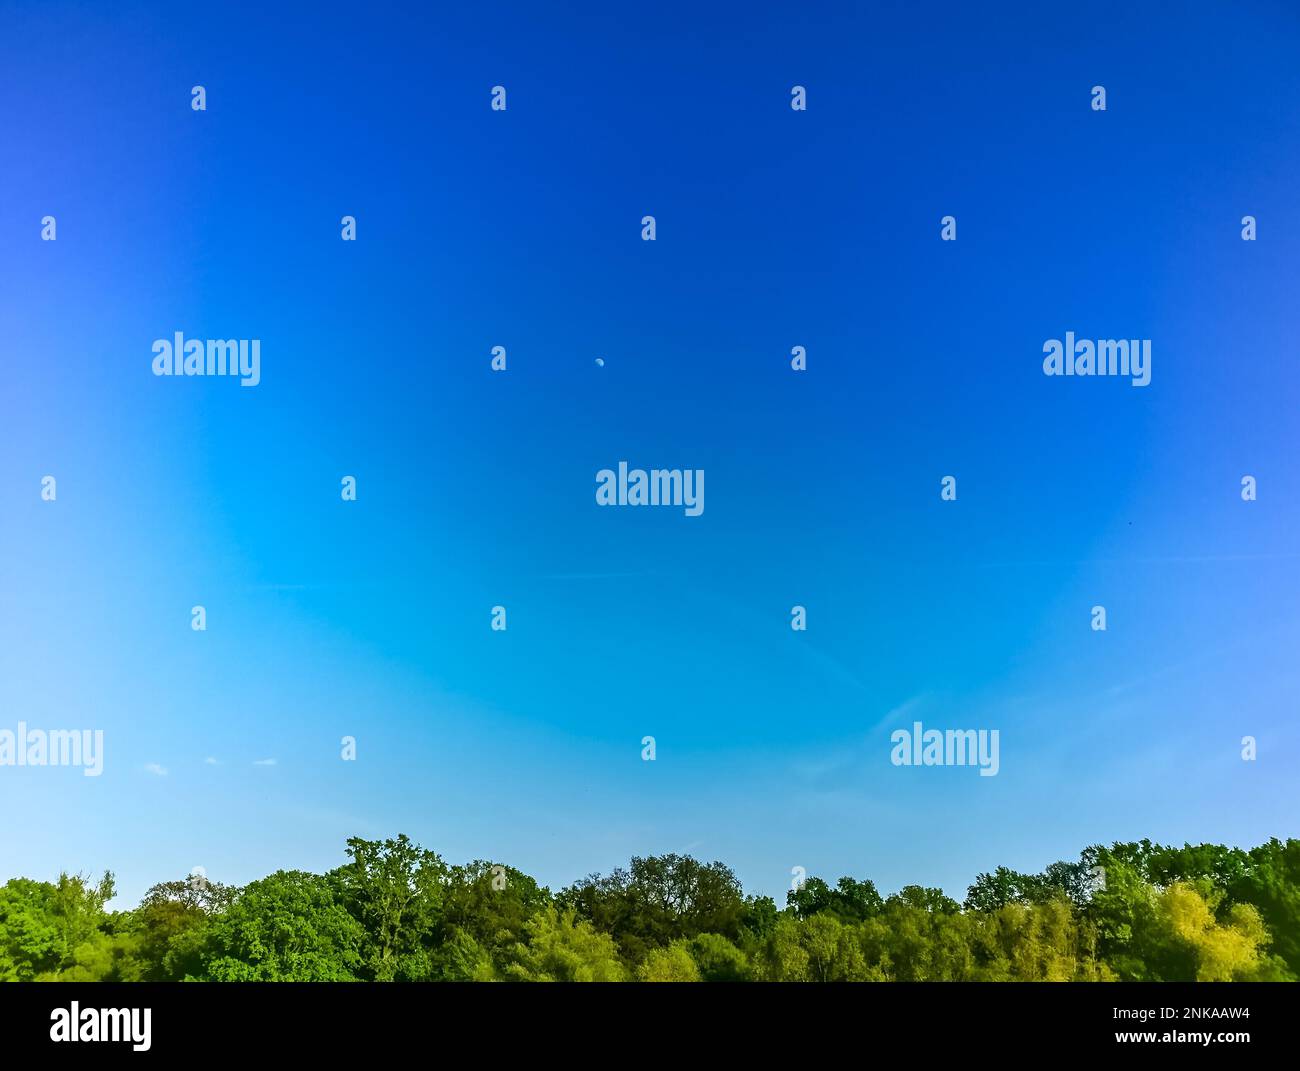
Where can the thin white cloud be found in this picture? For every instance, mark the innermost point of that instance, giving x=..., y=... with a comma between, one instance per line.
x=155, y=769
x=900, y=713
x=264, y=762
x=857, y=752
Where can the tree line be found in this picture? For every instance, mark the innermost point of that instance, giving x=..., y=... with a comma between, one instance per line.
x=397, y=912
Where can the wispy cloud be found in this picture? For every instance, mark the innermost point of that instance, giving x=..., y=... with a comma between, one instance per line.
x=155, y=769
x=264, y=762
x=858, y=752
x=900, y=713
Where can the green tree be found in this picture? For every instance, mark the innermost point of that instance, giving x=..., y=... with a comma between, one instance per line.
x=30, y=940
x=718, y=959
x=1122, y=910
x=670, y=964
x=155, y=933
x=1034, y=942
x=563, y=948
x=1211, y=951
x=658, y=900
x=782, y=957
x=834, y=954
x=991, y=892
x=288, y=927
x=492, y=903
x=460, y=958
x=909, y=942
x=47, y=930
x=918, y=896
x=1270, y=882
x=394, y=888
x=849, y=901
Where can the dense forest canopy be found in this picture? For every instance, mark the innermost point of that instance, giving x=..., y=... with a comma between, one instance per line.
x=398, y=912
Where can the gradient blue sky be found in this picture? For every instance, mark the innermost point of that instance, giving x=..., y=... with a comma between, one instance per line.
x=522, y=229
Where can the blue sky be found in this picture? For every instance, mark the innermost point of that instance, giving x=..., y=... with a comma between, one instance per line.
x=522, y=229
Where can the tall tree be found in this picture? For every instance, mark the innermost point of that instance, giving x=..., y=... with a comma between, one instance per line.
x=395, y=890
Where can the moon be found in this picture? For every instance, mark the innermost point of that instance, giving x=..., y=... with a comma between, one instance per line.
x=600, y=361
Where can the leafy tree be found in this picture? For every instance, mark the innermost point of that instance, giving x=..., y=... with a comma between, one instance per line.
x=849, y=901
x=1073, y=881
x=30, y=940
x=1270, y=882
x=1220, y=865
x=1034, y=942
x=933, y=900
x=1202, y=948
x=834, y=954
x=671, y=964
x=757, y=921
x=783, y=958
x=45, y=927
x=460, y=958
x=288, y=927
x=909, y=942
x=1122, y=910
x=154, y=935
x=658, y=900
x=718, y=959
x=1132, y=938
x=563, y=948
x=394, y=888
x=991, y=892
x=491, y=903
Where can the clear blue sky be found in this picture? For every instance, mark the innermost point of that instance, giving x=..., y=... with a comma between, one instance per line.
x=522, y=229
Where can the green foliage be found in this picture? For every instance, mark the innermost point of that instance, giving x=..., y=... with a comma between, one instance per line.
x=671, y=964
x=1034, y=942
x=1073, y=881
x=54, y=931
x=994, y=891
x=1270, y=882
x=658, y=900
x=161, y=939
x=563, y=948
x=395, y=911
x=917, y=896
x=1201, y=948
x=850, y=900
x=492, y=903
x=288, y=927
x=460, y=958
x=718, y=960
x=757, y=920
x=909, y=942
x=394, y=889
x=1151, y=930
x=30, y=941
